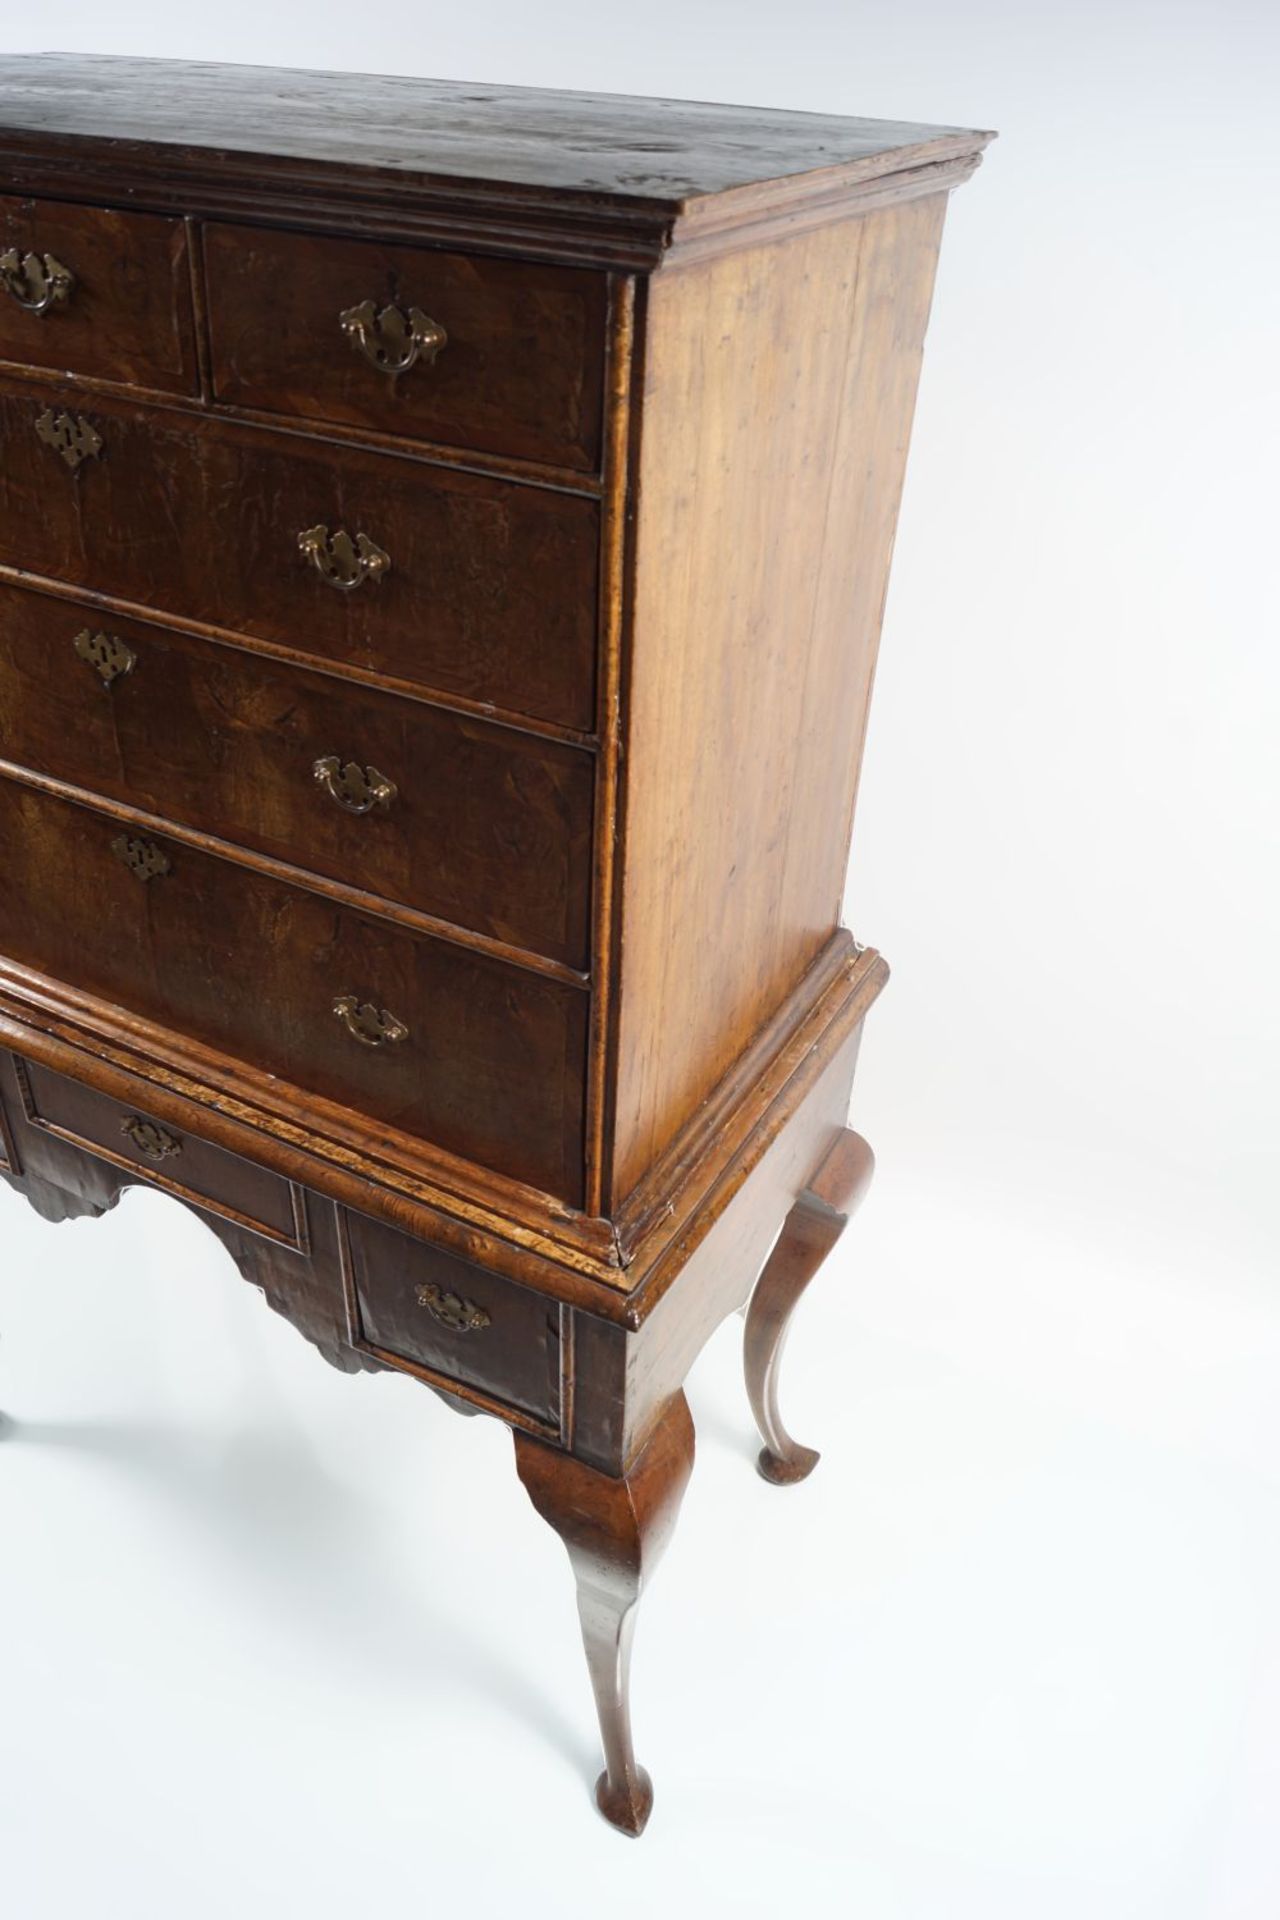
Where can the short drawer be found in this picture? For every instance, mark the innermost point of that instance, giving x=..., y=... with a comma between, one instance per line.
x=466, y=586
x=503, y=356
x=89, y=290
x=480, y=825
x=177, y=1161
x=479, y=1057
x=453, y=1321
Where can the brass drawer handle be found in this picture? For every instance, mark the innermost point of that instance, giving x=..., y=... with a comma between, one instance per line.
x=371, y=1026
x=143, y=858
x=109, y=657
x=35, y=280
x=151, y=1141
x=343, y=562
x=358, y=789
x=392, y=340
x=451, y=1310
x=69, y=434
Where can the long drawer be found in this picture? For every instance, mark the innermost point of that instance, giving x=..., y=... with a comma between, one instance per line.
x=506, y=356
x=478, y=824
x=91, y=290
x=475, y=587
x=483, y=1059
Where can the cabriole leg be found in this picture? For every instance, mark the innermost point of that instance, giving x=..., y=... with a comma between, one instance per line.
x=615, y=1531
x=812, y=1228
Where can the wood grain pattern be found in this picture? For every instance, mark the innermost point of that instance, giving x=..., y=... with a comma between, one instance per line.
x=597, y=180
x=778, y=391
x=490, y=594
x=521, y=372
x=600, y=146
x=490, y=828
x=128, y=316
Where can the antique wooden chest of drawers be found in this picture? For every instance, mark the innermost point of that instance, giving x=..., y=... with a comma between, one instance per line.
x=443, y=538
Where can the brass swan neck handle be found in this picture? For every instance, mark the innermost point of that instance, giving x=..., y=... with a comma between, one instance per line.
x=371, y=1026
x=390, y=339
x=357, y=789
x=341, y=561
x=36, y=281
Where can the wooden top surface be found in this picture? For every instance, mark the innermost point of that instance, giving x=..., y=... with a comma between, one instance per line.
x=601, y=177
x=569, y=142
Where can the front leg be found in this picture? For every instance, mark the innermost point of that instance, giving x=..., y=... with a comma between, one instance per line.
x=615, y=1530
x=812, y=1228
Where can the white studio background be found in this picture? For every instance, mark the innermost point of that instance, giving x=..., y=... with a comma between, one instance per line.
x=276, y=1642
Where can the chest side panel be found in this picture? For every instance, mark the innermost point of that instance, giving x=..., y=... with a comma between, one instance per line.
x=778, y=389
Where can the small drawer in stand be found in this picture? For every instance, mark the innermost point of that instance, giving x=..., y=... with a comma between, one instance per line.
x=165, y=1156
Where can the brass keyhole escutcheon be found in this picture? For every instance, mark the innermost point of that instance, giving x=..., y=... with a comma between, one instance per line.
x=144, y=858
x=70, y=435
x=109, y=656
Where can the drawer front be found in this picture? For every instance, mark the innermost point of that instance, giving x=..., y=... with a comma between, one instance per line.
x=486, y=827
x=502, y=356
x=176, y=1161
x=488, y=590
x=441, y=1314
x=91, y=291
x=482, y=1059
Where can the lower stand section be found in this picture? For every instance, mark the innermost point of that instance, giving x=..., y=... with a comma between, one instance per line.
x=813, y=1226
x=615, y=1531
x=625, y=1379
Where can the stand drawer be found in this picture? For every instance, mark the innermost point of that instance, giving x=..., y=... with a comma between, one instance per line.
x=451, y=1321
x=178, y=1162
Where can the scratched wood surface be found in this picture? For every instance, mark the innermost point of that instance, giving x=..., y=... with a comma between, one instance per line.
x=599, y=144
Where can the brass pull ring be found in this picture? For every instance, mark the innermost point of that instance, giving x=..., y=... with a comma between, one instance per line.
x=357, y=789
x=451, y=1310
x=151, y=1141
x=391, y=340
x=35, y=280
x=371, y=1026
x=345, y=563
x=109, y=656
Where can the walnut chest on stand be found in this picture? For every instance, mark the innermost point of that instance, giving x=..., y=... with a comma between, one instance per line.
x=443, y=537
